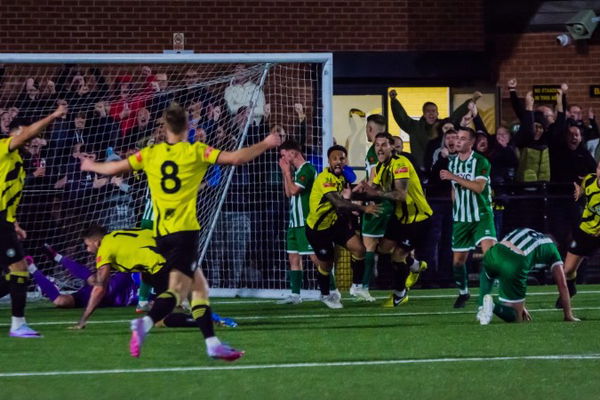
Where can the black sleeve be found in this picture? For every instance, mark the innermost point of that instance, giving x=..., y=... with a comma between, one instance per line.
x=516, y=105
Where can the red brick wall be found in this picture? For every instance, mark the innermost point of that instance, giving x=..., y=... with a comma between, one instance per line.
x=536, y=59
x=240, y=26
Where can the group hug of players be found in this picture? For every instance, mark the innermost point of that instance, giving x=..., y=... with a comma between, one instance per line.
x=396, y=218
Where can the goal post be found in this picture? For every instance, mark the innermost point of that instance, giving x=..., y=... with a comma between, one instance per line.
x=115, y=105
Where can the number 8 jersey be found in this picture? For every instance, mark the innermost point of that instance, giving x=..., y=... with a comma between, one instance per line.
x=174, y=173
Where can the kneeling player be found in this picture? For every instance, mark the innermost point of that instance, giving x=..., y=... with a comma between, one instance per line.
x=510, y=262
x=328, y=223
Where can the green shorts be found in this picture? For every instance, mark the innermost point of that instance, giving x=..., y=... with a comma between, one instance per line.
x=467, y=235
x=375, y=226
x=511, y=270
x=297, y=243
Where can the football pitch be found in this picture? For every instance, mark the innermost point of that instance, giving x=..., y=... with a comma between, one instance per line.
x=424, y=349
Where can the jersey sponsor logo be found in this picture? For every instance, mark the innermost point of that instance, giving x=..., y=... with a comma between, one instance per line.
x=138, y=156
x=98, y=259
x=401, y=170
x=208, y=151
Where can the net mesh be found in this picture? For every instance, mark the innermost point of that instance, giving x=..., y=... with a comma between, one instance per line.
x=114, y=110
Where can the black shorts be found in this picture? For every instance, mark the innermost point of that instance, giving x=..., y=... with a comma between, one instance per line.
x=11, y=250
x=180, y=250
x=323, y=242
x=407, y=236
x=583, y=244
x=159, y=281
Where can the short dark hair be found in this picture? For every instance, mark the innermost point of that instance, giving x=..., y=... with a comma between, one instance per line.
x=385, y=135
x=176, y=118
x=336, y=147
x=16, y=123
x=427, y=104
x=93, y=231
x=290, y=144
x=377, y=119
x=472, y=133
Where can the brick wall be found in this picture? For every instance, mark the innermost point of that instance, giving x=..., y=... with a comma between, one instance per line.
x=240, y=26
x=536, y=59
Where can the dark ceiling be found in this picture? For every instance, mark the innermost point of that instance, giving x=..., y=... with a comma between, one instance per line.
x=518, y=16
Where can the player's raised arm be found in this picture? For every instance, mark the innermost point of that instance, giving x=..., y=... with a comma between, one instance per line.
x=247, y=154
x=25, y=133
x=106, y=168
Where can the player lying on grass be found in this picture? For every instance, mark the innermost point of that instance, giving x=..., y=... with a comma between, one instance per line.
x=118, y=289
x=510, y=261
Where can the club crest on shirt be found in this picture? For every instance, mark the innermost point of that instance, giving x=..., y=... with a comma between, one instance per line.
x=208, y=151
x=138, y=156
x=401, y=170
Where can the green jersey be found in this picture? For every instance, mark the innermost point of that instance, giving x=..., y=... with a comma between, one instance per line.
x=304, y=177
x=470, y=206
x=539, y=249
x=370, y=161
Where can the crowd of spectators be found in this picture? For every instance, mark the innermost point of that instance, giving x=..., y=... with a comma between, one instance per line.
x=112, y=114
x=541, y=154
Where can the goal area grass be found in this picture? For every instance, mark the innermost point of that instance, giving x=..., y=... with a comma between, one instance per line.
x=424, y=349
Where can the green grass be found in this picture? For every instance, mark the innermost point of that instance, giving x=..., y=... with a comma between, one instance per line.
x=425, y=329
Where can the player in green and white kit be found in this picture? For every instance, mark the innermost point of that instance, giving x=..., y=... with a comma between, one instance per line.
x=297, y=189
x=473, y=217
x=510, y=262
x=373, y=227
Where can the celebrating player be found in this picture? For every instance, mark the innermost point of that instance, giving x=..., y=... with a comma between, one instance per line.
x=12, y=177
x=397, y=180
x=473, y=217
x=373, y=227
x=328, y=223
x=510, y=262
x=175, y=170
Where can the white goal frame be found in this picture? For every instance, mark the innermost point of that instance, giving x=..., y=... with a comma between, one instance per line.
x=325, y=59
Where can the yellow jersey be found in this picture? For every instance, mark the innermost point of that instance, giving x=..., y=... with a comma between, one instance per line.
x=590, y=219
x=174, y=173
x=415, y=207
x=130, y=250
x=322, y=213
x=12, y=179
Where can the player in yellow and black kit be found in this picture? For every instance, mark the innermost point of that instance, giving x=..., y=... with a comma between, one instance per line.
x=586, y=237
x=328, y=223
x=12, y=178
x=397, y=180
x=175, y=170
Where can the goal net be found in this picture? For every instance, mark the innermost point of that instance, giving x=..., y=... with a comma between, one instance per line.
x=115, y=107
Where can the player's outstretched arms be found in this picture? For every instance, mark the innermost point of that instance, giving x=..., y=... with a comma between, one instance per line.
x=106, y=168
x=31, y=131
x=247, y=154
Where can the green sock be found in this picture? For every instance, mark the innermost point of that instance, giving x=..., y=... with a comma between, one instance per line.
x=332, y=285
x=369, y=266
x=146, y=224
x=144, y=291
x=296, y=281
x=460, y=278
x=506, y=313
x=485, y=285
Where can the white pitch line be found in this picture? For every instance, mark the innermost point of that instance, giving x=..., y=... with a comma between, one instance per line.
x=414, y=295
x=312, y=316
x=305, y=365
